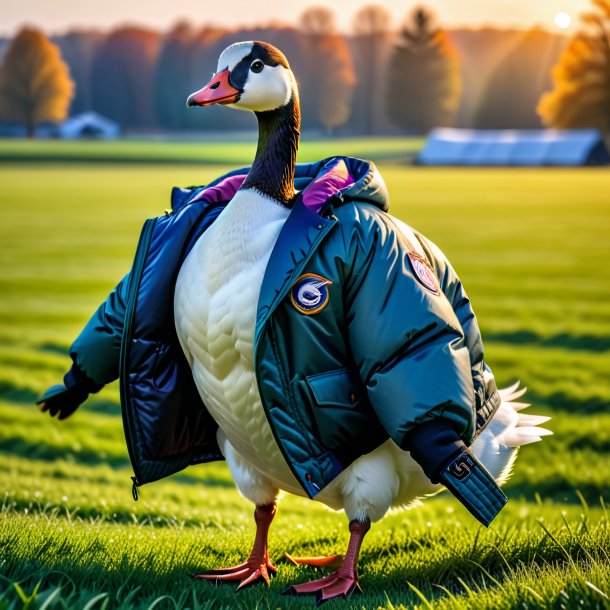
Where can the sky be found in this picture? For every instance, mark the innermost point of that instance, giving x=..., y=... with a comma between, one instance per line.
x=55, y=17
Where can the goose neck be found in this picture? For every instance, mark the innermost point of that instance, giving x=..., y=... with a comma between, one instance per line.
x=272, y=172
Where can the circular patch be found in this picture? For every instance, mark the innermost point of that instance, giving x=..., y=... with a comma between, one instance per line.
x=423, y=273
x=309, y=294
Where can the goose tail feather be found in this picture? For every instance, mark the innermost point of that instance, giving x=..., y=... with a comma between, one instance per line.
x=526, y=428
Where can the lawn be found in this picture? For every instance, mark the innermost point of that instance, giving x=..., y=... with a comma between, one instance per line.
x=532, y=247
x=210, y=149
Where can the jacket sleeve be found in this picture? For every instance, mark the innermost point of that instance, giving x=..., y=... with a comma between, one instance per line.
x=95, y=352
x=413, y=356
x=406, y=340
x=485, y=388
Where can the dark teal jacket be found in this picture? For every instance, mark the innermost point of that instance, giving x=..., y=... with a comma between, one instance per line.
x=392, y=345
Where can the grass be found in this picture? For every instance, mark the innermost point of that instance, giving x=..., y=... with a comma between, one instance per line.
x=210, y=149
x=531, y=247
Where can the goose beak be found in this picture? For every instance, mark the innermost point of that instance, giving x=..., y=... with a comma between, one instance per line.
x=218, y=91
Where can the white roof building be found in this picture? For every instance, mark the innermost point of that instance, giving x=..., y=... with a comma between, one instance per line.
x=547, y=147
x=89, y=125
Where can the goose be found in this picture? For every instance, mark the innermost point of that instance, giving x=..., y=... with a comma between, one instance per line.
x=215, y=310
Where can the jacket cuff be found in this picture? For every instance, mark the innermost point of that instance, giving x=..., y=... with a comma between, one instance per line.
x=75, y=377
x=471, y=483
x=433, y=445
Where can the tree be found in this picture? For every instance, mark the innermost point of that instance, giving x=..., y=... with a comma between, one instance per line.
x=122, y=76
x=318, y=21
x=581, y=95
x=335, y=83
x=173, y=76
x=371, y=45
x=35, y=84
x=424, y=85
x=330, y=69
x=78, y=49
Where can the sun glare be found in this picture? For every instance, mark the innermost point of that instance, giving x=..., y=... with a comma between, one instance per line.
x=563, y=20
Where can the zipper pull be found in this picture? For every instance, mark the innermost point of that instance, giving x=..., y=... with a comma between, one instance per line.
x=134, y=489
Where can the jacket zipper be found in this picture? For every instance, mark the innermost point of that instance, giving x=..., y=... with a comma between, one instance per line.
x=136, y=275
x=274, y=432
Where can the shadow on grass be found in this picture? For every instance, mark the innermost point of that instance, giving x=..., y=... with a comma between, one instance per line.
x=51, y=453
x=23, y=395
x=568, y=403
x=599, y=444
x=590, y=343
x=559, y=490
x=12, y=392
x=51, y=347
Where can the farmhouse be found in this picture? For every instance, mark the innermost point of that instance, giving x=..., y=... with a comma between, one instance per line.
x=89, y=125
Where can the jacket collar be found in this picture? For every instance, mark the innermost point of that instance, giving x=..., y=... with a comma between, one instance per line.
x=345, y=176
x=336, y=178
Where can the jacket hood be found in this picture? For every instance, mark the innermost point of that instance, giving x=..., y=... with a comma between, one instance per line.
x=342, y=178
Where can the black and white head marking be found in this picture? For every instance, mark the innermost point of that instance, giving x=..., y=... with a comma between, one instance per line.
x=261, y=73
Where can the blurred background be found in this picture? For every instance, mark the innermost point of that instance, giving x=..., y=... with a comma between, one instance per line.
x=489, y=121
x=381, y=68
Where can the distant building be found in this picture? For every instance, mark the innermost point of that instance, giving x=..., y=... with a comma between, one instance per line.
x=514, y=148
x=89, y=125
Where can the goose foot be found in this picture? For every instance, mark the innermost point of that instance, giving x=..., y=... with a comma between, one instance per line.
x=258, y=566
x=247, y=573
x=332, y=561
x=339, y=583
x=344, y=581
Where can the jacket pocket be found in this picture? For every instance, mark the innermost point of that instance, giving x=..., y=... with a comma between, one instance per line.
x=340, y=388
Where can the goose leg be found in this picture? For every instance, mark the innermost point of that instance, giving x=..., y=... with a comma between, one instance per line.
x=343, y=581
x=257, y=566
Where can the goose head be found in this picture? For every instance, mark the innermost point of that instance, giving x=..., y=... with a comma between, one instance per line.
x=255, y=76
x=251, y=76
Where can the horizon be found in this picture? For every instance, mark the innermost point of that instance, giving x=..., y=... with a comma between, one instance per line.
x=479, y=14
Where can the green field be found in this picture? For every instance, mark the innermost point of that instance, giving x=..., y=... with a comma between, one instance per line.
x=213, y=150
x=533, y=249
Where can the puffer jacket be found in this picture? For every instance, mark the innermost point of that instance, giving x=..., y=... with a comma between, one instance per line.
x=363, y=333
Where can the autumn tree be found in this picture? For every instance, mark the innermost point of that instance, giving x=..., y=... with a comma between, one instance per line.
x=581, y=94
x=123, y=75
x=35, y=84
x=330, y=69
x=318, y=21
x=371, y=43
x=424, y=86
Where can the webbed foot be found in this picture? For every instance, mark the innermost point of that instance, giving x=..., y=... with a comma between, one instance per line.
x=248, y=572
x=344, y=581
x=337, y=584
x=258, y=566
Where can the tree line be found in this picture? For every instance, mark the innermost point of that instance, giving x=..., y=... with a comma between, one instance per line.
x=374, y=80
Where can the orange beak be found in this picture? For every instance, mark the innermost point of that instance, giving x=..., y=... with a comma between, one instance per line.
x=218, y=91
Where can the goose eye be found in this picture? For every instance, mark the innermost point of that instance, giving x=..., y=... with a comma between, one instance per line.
x=257, y=66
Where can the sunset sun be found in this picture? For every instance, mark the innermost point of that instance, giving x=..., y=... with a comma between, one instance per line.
x=563, y=20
